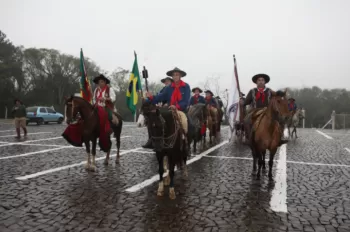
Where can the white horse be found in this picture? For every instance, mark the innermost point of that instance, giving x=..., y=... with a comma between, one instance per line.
x=141, y=121
x=294, y=122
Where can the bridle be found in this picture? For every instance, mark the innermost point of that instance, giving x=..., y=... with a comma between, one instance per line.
x=73, y=106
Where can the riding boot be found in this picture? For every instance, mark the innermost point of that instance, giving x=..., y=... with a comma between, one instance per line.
x=18, y=130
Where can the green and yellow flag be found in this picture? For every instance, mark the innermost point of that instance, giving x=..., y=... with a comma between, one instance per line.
x=85, y=87
x=134, y=87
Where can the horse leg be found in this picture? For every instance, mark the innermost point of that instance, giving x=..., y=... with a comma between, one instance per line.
x=107, y=158
x=166, y=165
x=93, y=153
x=172, y=194
x=184, y=170
x=255, y=159
x=117, y=138
x=264, y=165
x=160, y=191
x=260, y=164
x=272, y=156
x=295, y=131
x=88, y=161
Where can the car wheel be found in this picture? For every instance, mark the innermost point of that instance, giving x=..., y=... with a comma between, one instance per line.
x=60, y=120
x=40, y=121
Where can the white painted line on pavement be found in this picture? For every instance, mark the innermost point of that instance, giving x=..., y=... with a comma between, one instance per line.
x=68, y=166
x=31, y=141
x=347, y=149
x=155, y=178
x=6, y=131
x=37, y=133
x=319, y=164
x=325, y=135
x=33, y=153
x=278, y=202
x=228, y=157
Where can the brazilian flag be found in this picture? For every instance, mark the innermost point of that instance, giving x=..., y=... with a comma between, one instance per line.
x=134, y=87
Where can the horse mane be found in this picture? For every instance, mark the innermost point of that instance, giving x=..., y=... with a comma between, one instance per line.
x=80, y=98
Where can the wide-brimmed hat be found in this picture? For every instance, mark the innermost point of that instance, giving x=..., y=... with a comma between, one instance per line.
x=291, y=99
x=208, y=91
x=167, y=78
x=199, y=89
x=101, y=77
x=170, y=73
x=266, y=77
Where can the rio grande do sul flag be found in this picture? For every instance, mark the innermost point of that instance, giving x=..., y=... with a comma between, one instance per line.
x=85, y=87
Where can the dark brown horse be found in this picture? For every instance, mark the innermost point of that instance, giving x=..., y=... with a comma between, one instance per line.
x=266, y=133
x=198, y=115
x=167, y=139
x=90, y=125
x=212, y=123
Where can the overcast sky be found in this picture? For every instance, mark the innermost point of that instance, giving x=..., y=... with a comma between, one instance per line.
x=297, y=42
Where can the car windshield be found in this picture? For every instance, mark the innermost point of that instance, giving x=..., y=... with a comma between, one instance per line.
x=32, y=109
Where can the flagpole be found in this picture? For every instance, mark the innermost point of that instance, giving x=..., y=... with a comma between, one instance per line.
x=239, y=89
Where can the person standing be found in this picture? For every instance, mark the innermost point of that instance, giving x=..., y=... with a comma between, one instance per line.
x=20, y=113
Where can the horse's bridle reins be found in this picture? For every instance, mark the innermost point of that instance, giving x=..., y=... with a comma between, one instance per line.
x=74, y=107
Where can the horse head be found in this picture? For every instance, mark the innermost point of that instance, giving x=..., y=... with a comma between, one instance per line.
x=279, y=105
x=72, y=108
x=156, y=124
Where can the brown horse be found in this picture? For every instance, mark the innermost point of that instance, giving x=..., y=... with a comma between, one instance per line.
x=266, y=133
x=90, y=125
x=212, y=123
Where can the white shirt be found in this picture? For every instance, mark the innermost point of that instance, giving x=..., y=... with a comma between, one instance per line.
x=101, y=102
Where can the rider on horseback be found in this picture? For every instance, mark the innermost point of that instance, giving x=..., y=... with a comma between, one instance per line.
x=104, y=96
x=166, y=81
x=177, y=95
x=258, y=98
x=212, y=103
x=197, y=98
x=291, y=105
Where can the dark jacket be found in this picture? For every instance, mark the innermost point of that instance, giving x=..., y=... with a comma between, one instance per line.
x=20, y=112
x=165, y=96
x=199, y=100
x=211, y=102
x=251, y=98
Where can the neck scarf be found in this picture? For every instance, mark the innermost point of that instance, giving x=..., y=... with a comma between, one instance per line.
x=195, y=97
x=101, y=91
x=260, y=94
x=176, y=96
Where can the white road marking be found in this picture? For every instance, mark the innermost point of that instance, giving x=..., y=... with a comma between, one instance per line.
x=278, y=202
x=6, y=131
x=38, y=140
x=37, y=133
x=347, y=149
x=31, y=141
x=319, y=164
x=155, y=178
x=325, y=135
x=228, y=157
x=33, y=153
x=68, y=166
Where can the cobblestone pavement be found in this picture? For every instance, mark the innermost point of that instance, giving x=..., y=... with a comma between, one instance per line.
x=44, y=187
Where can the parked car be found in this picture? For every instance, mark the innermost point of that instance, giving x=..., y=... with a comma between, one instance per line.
x=43, y=114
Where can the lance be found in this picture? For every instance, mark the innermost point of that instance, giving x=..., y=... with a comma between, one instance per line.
x=145, y=75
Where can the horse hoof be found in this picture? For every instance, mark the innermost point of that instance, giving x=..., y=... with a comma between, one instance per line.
x=172, y=194
x=87, y=166
x=117, y=161
x=105, y=162
x=258, y=177
x=160, y=193
x=92, y=168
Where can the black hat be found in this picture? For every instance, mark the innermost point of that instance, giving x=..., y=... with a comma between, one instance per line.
x=199, y=89
x=291, y=99
x=266, y=77
x=167, y=78
x=101, y=77
x=208, y=91
x=170, y=73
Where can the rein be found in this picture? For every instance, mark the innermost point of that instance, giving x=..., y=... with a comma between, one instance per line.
x=169, y=141
x=79, y=111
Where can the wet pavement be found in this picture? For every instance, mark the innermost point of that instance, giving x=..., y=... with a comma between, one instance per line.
x=44, y=186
